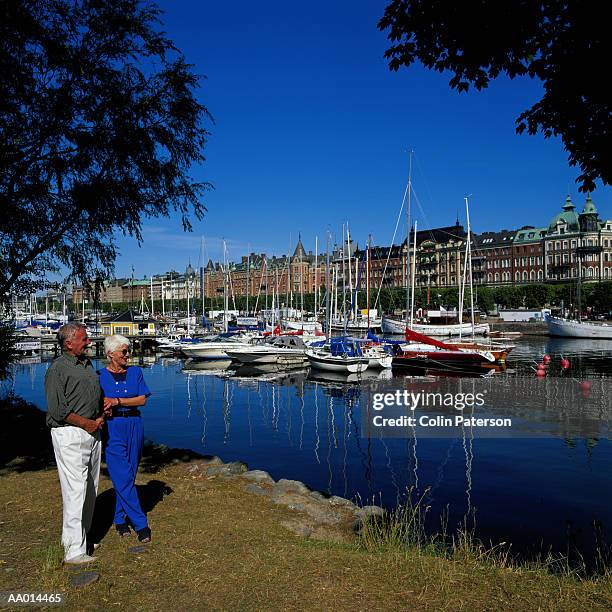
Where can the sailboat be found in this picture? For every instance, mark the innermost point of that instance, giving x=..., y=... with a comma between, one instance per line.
x=423, y=351
x=576, y=328
x=568, y=328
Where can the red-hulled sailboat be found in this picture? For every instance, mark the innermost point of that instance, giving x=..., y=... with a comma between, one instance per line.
x=422, y=352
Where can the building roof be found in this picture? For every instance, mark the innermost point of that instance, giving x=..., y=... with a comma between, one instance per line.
x=300, y=251
x=438, y=235
x=569, y=216
x=494, y=239
x=529, y=234
x=589, y=206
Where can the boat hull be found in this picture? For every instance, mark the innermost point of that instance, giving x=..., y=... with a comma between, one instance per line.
x=392, y=326
x=268, y=357
x=211, y=350
x=574, y=329
x=347, y=365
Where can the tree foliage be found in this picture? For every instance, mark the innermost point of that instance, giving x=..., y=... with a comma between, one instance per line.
x=564, y=44
x=99, y=127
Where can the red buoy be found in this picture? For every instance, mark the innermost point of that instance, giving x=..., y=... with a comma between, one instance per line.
x=546, y=359
x=565, y=364
x=540, y=372
x=585, y=385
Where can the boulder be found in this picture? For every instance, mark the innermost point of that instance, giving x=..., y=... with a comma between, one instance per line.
x=258, y=476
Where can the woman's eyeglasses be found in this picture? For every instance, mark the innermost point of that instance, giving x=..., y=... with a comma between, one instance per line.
x=125, y=351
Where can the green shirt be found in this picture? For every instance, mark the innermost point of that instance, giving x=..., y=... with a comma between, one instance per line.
x=72, y=385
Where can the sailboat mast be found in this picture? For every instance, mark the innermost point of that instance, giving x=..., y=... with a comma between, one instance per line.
x=408, y=241
x=343, y=276
x=327, y=295
x=224, y=288
x=348, y=254
x=316, y=276
x=368, y=278
x=469, y=263
x=414, y=243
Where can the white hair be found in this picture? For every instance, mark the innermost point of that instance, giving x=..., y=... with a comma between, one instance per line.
x=112, y=343
x=67, y=332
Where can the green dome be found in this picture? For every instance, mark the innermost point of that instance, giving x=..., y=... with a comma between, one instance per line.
x=589, y=207
x=568, y=216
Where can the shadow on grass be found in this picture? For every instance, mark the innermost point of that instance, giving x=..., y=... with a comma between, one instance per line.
x=25, y=442
x=149, y=495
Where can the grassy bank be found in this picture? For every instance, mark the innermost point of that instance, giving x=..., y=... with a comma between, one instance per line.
x=219, y=546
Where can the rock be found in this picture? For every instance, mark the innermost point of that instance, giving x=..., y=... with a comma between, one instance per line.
x=137, y=550
x=334, y=500
x=255, y=488
x=83, y=579
x=291, y=485
x=319, y=512
x=211, y=460
x=258, y=476
x=319, y=497
x=200, y=465
x=368, y=511
x=228, y=469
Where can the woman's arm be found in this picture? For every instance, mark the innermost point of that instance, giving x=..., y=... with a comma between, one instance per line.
x=130, y=402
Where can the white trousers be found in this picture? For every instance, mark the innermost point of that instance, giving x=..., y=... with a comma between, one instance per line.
x=77, y=455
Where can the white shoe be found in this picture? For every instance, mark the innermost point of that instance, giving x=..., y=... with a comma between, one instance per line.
x=79, y=559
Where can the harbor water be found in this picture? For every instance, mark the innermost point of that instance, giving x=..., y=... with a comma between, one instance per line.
x=545, y=492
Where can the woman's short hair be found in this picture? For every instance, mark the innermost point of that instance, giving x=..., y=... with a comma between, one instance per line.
x=112, y=343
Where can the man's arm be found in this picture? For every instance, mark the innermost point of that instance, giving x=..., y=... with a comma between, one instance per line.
x=89, y=425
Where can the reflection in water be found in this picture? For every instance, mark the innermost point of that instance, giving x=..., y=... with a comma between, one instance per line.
x=307, y=426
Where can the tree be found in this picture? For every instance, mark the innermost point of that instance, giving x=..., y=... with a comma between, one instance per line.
x=564, y=44
x=99, y=129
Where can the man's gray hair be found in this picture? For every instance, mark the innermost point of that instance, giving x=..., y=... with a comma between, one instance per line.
x=112, y=343
x=67, y=331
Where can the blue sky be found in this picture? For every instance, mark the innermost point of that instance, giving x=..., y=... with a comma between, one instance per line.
x=312, y=130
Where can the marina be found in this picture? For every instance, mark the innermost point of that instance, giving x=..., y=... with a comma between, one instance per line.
x=305, y=424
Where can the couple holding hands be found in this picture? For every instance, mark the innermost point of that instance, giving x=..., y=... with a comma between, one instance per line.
x=80, y=402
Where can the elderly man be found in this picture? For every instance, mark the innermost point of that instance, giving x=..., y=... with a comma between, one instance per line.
x=74, y=401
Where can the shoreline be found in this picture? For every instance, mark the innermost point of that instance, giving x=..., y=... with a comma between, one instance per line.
x=227, y=537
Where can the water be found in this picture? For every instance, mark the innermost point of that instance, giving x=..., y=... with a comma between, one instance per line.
x=546, y=493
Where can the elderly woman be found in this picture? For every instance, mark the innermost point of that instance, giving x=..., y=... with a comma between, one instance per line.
x=124, y=392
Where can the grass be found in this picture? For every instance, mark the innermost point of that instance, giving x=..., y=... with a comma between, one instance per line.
x=217, y=547
x=403, y=531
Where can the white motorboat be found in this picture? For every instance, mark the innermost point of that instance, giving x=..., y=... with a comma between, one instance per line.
x=173, y=343
x=217, y=347
x=567, y=328
x=281, y=350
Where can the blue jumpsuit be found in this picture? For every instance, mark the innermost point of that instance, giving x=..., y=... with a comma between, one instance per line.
x=125, y=442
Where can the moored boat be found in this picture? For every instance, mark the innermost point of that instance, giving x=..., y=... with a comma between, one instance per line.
x=567, y=328
x=446, y=330
x=281, y=350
